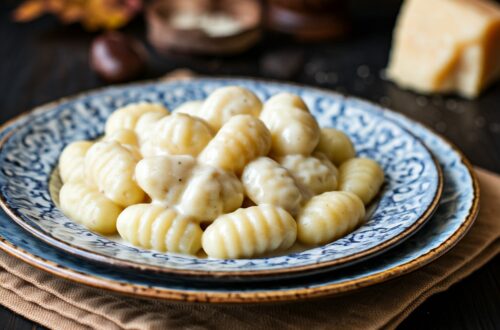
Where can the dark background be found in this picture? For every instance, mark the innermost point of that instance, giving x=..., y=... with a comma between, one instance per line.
x=42, y=61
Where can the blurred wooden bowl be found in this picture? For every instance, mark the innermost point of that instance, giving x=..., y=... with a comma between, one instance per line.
x=166, y=38
x=308, y=20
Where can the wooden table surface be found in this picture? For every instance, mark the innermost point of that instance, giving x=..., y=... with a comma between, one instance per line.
x=42, y=61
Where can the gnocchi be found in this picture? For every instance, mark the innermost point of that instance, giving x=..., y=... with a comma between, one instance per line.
x=242, y=139
x=162, y=229
x=128, y=116
x=180, y=134
x=329, y=216
x=226, y=102
x=163, y=177
x=128, y=139
x=293, y=130
x=110, y=167
x=196, y=190
x=266, y=182
x=71, y=167
x=89, y=207
x=285, y=100
x=314, y=174
x=209, y=193
x=124, y=136
x=258, y=177
x=336, y=145
x=249, y=232
x=191, y=108
x=145, y=125
x=361, y=176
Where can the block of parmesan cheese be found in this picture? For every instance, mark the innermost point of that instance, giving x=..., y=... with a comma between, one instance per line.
x=446, y=46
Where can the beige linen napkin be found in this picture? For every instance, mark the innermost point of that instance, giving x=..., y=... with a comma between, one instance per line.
x=60, y=304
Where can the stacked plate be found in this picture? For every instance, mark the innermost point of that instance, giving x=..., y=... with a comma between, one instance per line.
x=428, y=202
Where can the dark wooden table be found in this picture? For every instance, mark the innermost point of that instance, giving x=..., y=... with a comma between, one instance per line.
x=42, y=61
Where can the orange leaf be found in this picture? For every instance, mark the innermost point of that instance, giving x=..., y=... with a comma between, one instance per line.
x=72, y=13
x=29, y=10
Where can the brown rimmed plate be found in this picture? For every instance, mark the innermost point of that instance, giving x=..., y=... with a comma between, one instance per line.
x=455, y=215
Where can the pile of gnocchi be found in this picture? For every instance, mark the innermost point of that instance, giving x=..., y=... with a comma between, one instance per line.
x=230, y=175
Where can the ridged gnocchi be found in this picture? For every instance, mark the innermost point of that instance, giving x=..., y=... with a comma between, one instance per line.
x=127, y=116
x=145, y=126
x=361, y=176
x=249, y=232
x=71, y=166
x=191, y=108
x=124, y=136
x=336, y=145
x=110, y=167
x=159, y=228
x=242, y=139
x=128, y=139
x=230, y=164
x=89, y=207
x=293, y=130
x=225, y=102
x=281, y=100
x=314, y=174
x=180, y=134
x=267, y=182
x=329, y=216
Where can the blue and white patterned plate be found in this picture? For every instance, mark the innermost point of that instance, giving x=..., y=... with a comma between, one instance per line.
x=456, y=212
x=413, y=181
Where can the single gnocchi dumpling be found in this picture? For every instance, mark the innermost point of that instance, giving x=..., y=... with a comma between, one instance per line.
x=127, y=116
x=164, y=178
x=110, y=167
x=191, y=108
x=314, y=174
x=336, y=145
x=124, y=137
x=159, y=228
x=128, y=139
x=225, y=102
x=249, y=232
x=293, y=130
x=180, y=134
x=281, y=100
x=71, y=168
x=361, y=176
x=209, y=192
x=89, y=207
x=267, y=182
x=329, y=216
x=145, y=126
x=242, y=139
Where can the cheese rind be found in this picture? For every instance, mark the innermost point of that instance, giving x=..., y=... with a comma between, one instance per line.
x=446, y=46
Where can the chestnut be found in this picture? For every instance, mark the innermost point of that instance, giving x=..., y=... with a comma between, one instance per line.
x=116, y=57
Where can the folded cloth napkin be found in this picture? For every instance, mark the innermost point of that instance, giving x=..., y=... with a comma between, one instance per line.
x=60, y=304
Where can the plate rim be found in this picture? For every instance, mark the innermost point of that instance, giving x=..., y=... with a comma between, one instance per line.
x=126, y=288
x=232, y=275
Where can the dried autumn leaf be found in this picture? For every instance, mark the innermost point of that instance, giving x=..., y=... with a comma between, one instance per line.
x=29, y=10
x=93, y=14
x=107, y=14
